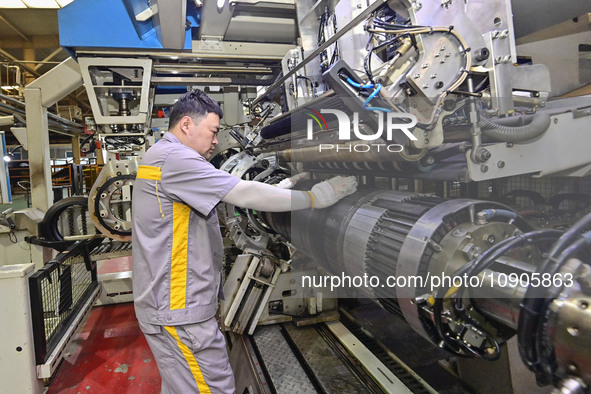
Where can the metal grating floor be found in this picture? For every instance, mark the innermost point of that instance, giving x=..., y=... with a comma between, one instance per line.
x=285, y=370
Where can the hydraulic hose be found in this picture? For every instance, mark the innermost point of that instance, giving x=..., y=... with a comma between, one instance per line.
x=500, y=132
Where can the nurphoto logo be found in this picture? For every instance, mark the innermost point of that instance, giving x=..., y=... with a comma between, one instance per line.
x=387, y=122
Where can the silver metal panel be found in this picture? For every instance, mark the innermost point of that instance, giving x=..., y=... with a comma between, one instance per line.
x=382, y=375
x=39, y=155
x=535, y=77
x=567, y=139
x=261, y=29
x=547, y=13
x=40, y=94
x=561, y=55
x=218, y=49
x=17, y=367
x=58, y=82
x=170, y=23
x=214, y=21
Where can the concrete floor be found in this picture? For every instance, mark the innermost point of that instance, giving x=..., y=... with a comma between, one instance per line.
x=18, y=202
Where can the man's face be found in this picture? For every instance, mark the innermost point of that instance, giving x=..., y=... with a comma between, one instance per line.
x=202, y=136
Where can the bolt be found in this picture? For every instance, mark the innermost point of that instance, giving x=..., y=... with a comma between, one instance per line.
x=438, y=84
x=442, y=48
x=442, y=61
x=417, y=76
x=425, y=133
x=482, y=155
x=484, y=168
x=459, y=232
x=414, y=105
x=491, y=239
x=555, y=120
x=509, y=144
x=425, y=85
x=426, y=141
x=500, y=164
x=437, y=54
x=433, y=76
x=482, y=54
x=425, y=65
x=448, y=54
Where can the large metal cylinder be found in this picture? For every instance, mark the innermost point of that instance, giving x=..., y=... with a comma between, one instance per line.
x=388, y=234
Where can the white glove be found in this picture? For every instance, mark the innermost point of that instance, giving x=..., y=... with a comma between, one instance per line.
x=326, y=193
x=288, y=183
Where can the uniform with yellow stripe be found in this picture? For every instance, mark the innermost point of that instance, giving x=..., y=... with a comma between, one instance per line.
x=177, y=259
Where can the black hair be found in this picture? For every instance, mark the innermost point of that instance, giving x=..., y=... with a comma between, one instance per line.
x=195, y=104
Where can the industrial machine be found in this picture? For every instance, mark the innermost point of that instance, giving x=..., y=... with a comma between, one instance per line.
x=471, y=223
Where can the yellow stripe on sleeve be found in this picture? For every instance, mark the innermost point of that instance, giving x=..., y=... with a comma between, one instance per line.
x=149, y=172
x=178, y=263
x=191, y=360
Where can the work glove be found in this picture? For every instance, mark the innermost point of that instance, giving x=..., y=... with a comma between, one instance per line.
x=288, y=183
x=326, y=193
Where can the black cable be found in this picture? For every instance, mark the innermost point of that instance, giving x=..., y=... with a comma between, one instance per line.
x=533, y=304
x=119, y=141
x=367, y=63
x=496, y=251
x=551, y=294
x=472, y=268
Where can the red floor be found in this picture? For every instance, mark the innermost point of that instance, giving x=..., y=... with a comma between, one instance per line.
x=108, y=355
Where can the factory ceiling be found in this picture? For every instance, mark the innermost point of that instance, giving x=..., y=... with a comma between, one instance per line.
x=29, y=47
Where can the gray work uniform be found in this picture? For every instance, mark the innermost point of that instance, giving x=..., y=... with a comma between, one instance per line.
x=177, y=260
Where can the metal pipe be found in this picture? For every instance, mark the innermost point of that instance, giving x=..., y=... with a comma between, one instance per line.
x=50, y=115
x=346, y=152
x=12, y=110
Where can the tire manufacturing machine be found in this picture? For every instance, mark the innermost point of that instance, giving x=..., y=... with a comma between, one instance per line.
x=485, y=176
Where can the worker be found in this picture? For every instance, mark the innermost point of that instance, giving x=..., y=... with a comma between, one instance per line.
x=177, y=244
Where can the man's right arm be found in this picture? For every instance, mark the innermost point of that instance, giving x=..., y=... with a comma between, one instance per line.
x=268, y=198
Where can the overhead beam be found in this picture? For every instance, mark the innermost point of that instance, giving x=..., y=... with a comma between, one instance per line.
x=48, y=58
x=14, y=59
x=37, y=74
x=17, y=31
x=41, y=41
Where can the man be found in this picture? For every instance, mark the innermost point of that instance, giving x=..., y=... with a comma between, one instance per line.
x=177, y=245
